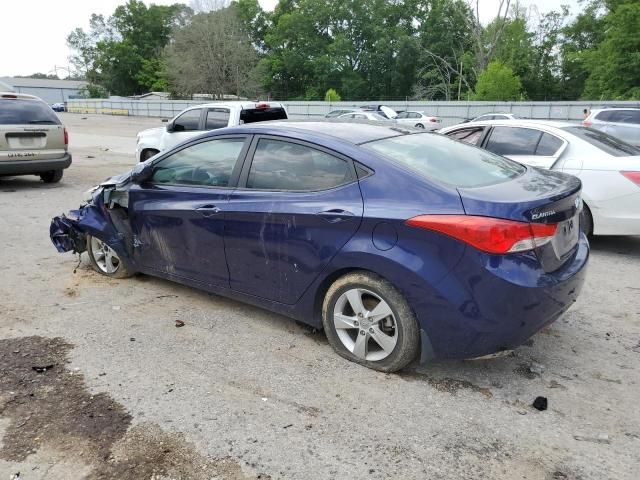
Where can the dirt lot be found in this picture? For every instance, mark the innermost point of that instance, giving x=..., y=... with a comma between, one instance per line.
x=239, y=393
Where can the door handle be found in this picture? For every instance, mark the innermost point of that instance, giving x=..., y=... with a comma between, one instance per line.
x=335, y=215
x=208, y=210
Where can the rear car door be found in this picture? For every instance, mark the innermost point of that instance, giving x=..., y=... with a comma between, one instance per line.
x=525, y=145
x=177, y=217
x=296, y=206
x=216, y=118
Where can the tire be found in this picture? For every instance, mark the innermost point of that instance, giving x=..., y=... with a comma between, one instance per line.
x=53, y=176
x=399, y=326
x=586, y=221
x=106, y=261
x=147, y=154
x=419, y=125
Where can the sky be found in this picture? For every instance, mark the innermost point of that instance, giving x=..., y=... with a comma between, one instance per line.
x=33, y=32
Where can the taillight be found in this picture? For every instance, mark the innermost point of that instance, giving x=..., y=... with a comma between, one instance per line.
x=66, y=137
x=633, y=176
x=262, y=105
x=433, y=120
x=587, y=123
x=491, y=235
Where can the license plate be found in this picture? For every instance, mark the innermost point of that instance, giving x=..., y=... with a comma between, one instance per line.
x=567, y=235
x=27, y=141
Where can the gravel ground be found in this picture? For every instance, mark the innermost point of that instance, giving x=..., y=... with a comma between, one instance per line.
x=241, y=393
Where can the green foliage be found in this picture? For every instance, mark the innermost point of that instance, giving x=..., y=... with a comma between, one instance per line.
x=92, y=90
x=498, y=82
x=331, y=96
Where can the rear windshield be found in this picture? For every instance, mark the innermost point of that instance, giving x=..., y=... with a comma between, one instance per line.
x=604, y=142
x=19, y=111
x=440, y=158
x=251, y=115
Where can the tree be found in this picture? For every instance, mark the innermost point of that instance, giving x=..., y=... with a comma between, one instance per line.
x=498, y=82
x=212, y=54
x=332, y=96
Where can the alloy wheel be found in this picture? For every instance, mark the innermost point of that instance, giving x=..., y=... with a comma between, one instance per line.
x=105, y=257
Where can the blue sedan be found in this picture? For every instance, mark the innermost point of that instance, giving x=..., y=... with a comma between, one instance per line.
x=401, y=245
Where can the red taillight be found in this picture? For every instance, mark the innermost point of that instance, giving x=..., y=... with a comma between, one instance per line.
x=433, y=120
x=633, y=176
x=491, y=235
x=262, y=105
x=587, y=123
x=66, y=138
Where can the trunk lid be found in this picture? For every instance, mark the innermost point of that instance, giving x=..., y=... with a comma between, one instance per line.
x=31, y=142
x=537, y=196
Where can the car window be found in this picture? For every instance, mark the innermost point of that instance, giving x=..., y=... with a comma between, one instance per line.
x=262, y=114
x=625, y=116
x=548, y=145
x=604, y=142
x=358, y=115
x=203, y=164
x=280, y=165
x=217, y=118
x=500, y=117
x=414, y=115
x=402, y=115
x=18, y=111
x=188, y=121
x=467, y=135
x=438, y=158
x=513, y=141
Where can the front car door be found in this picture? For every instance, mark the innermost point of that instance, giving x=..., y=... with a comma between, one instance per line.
x=296, y=206
x=525, y=145
x=185, y=126
x=177, y=217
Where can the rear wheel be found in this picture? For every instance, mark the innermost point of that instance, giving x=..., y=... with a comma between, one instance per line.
x=419, y=125
x=53, y=176
x=368, y=321
x=147, y=154
x=105, y=260
x=586, y=221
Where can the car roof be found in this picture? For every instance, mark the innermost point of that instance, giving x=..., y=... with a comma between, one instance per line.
x=356, y=133
x=236, y=103
x=519, y=123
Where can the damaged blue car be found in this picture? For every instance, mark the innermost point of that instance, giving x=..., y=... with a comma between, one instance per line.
x=401, y=245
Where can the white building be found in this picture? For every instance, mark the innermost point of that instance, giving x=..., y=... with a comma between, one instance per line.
x=51, y=91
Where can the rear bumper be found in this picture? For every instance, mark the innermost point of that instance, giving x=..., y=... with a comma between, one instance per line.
x=489, y=303
x=29, y=167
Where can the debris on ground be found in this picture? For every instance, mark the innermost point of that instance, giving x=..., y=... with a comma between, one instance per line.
x=540, y=403
x=42, y=368
x=603, y=438
x=179, y=323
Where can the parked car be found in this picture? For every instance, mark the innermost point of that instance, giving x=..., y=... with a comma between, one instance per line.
x=363, y=115
x=383, y=110
x=496, y=116
x=471, y=255
x=623, y=123
x=341, y=111
x=58, y=107
x=32, y=139
x=609, y=168
x=418, y=119
x=193, y=121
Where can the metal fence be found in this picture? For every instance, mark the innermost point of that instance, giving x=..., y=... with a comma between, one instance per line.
x=450, y=112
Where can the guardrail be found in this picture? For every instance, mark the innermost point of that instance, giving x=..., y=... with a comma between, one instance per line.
x=450, y=112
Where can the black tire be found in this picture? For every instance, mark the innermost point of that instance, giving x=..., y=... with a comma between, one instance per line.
x=408, y=334
x=419, y=125
x=586, y=221
x=120, y=272
x=147, y=154
x=53, y=176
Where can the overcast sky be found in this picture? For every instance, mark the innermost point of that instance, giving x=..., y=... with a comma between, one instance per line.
x=33, y=32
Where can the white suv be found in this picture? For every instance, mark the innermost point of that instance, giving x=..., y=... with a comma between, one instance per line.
x=623, y=123
x=201, y=118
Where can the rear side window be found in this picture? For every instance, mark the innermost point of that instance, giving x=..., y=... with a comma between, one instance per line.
x=280, y=165
x=217, y=118
x=251, y=115
x=188, y=121
x=548, y=145
x=467, y=135
x=604, y=142
x=438, y=158
x=625, y=116
x=513, y=141
x=19, y=111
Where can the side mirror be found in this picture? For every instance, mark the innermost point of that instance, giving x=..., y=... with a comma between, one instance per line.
x=170, y=127
x=142, y=172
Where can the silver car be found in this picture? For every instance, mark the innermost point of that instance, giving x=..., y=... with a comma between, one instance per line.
x=623, y=123
x=32, y=139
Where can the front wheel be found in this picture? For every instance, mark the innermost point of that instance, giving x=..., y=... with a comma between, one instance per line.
x=105, y=260
x=368, y=321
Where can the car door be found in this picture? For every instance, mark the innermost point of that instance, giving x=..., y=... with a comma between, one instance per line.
x=217, y=117
x=525, y=145
x=177, y=217
x=185, y=126
x=296, y=206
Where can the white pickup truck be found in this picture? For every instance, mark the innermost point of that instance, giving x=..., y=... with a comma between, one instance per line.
x=195, y=120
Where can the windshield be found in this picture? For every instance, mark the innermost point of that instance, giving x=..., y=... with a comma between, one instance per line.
x=604, y=142
x=440, y=158
x=19, y=111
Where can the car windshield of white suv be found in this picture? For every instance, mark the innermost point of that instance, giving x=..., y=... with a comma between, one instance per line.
x=604, y=142
x=24, y=112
